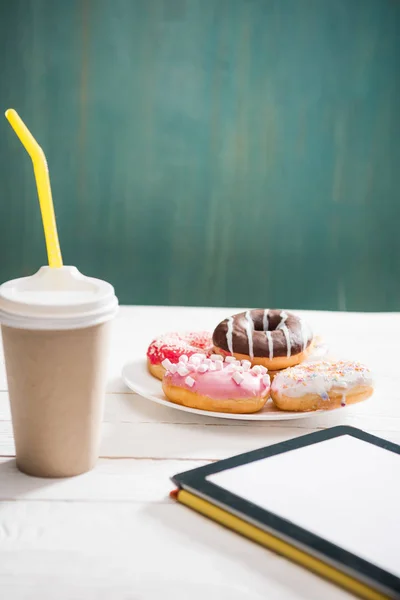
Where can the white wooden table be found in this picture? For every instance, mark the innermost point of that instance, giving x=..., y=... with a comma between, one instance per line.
x=114, y=533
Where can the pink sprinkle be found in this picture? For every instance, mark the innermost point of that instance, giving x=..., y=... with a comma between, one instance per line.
x=256, y=370
x=216, y=357
x=166, y=363
x=190, y=381
x=237, y=377
x=266, y=380
x=195, y=360
x=198, y=355
x=183, y=371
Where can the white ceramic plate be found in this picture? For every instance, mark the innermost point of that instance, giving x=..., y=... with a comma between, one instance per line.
x=138, y=379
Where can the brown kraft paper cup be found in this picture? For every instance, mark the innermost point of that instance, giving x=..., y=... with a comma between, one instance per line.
x=56, y=385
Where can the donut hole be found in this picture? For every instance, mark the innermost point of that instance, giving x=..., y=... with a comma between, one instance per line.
x=273, y=322
x=271, y=327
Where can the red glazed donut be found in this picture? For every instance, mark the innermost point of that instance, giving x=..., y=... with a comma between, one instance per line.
x=173, y=345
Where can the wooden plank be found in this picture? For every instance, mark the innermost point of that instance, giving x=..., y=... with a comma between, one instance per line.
x=188, y=441
x=125, y=550
x=378, y=411
x=169, y=441
x=112, y=481
x=194, y=441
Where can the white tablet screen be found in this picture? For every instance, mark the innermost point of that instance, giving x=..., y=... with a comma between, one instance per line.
x=344, y=489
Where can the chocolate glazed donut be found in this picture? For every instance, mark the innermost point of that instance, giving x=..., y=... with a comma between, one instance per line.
x=273, y=338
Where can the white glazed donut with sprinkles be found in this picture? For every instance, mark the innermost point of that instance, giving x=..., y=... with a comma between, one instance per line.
x=321, y=385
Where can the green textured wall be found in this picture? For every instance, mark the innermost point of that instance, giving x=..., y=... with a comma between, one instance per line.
x=209, y=152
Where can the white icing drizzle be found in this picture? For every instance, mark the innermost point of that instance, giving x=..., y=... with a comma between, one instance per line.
x=343, y=400
x=286, y=333
x=304, y=335
x=287, y=336
x=249, y=331
x=229, y=334
x=265, y=320
x=270, y=344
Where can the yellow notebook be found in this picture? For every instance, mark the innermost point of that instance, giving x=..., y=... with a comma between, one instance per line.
x=329, y=501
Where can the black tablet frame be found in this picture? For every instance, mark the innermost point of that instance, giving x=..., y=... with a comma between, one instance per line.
x=195, y=481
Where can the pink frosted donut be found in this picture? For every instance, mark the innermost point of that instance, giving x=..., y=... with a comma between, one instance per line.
x=211, y=384
x=173, y=345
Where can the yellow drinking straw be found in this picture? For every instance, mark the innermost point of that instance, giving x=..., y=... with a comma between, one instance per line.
x=41, y=171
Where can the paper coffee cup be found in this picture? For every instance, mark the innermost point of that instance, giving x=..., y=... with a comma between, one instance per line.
x=55, y=328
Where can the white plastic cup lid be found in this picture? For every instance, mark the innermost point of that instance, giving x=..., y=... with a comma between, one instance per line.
x=56, y=299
